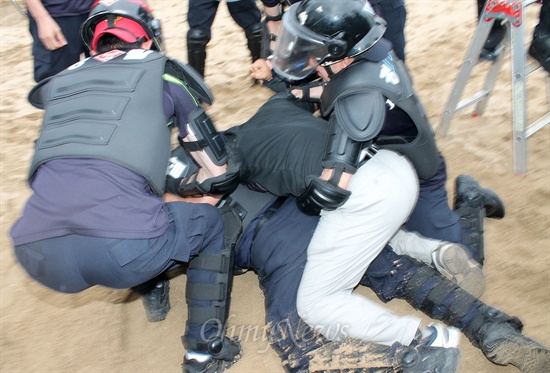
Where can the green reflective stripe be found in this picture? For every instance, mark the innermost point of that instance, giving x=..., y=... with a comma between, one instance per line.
x=173, y=79
x=169, y=123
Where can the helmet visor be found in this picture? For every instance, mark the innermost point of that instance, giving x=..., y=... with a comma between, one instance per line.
x=298, y=51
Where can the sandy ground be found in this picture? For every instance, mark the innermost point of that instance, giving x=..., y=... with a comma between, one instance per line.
x=102, y=330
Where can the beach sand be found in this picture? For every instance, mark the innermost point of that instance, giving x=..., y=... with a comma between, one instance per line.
x=103, y=330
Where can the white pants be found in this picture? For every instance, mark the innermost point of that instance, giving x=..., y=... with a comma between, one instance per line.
x=415, y=245
x=383, y=193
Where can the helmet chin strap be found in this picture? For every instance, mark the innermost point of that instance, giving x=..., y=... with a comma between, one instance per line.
x=329, y=71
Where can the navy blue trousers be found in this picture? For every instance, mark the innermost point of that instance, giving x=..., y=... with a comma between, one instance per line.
x=74, y=263
x=279, y=252
x=201, y=13
x=48, y=63
x=432, y=216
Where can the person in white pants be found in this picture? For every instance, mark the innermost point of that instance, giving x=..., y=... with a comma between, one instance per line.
x=345, y=243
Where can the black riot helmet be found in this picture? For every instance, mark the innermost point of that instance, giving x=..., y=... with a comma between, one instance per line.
x=130, y=20
x=321, y=32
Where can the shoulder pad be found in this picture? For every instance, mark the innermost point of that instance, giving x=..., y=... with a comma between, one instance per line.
x=191, y=78
x=361, y=114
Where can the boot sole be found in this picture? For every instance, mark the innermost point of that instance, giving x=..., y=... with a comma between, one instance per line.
x=521, y=352
x=455, y=264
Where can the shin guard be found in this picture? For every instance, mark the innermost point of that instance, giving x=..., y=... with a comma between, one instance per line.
x=208, y=301
x=197, y=39
x=439, y=298
x=497, y=334
x=469, y=204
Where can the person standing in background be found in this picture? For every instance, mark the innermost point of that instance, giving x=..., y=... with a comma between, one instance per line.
x=200, y=16
x=55, y=28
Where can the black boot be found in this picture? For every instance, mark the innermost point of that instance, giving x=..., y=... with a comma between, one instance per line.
x=540, y=46
x=468, y=190
x=496, y=35
x=197, y=39
x=222, y=354
x=497, y=334
x=155, y=295
x=427, y=359
x=503, y=344
x=474, y=203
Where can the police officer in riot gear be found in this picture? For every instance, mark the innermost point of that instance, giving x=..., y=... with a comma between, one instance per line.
x=200, y=16
x=371, y=105
x=273, y=243
x=96, y=216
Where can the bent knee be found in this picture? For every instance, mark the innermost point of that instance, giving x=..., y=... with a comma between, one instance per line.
x=310, y=311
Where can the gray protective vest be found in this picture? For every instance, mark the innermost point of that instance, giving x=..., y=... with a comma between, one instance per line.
x=107, y=107
x=392, y=80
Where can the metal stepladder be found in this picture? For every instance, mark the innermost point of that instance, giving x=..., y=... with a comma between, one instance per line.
x=512, y=12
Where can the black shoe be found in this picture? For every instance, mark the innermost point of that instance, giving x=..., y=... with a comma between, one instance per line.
x=540, y=49
x=429, y=359
x=209, y=366
x=490, y=49
x=229, y=354
x=502, y=344
x=469, y=192
x=155, y=295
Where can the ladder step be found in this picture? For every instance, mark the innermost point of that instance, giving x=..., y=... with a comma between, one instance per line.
x=463, y=104
x=511, y=12
x=532, y=66
x=537, y=125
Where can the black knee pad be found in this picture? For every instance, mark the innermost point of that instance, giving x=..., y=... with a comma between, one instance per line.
x=197, y=39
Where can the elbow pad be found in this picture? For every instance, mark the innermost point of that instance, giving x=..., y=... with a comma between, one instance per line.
x=208, y=138
x=220, y=185
x=321, y=195
x=182, y=172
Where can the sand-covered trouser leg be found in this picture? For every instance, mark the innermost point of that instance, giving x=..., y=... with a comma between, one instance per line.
x=354, y=355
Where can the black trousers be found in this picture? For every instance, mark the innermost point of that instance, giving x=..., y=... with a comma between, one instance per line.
x=201, y=13
x=48, y=63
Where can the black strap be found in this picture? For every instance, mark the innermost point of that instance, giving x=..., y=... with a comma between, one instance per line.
x=193, y=146
x=271, y=210
x=278, y=17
